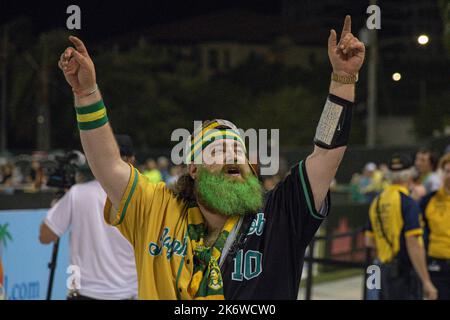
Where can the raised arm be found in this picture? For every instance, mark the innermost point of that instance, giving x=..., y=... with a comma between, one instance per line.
x=346, y=58
x=97, y=139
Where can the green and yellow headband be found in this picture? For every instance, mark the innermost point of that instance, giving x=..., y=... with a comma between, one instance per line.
x=215, y=131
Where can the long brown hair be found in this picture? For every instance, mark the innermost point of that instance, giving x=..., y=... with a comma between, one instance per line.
x=184, y=188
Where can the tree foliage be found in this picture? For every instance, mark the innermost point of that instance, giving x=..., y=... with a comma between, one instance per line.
x=149, y=94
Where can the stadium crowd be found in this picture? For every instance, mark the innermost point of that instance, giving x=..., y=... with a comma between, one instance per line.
x=30, y=173
x=373, y=178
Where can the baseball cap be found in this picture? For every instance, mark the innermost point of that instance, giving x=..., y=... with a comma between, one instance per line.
x=400, y=162
x=125, y=145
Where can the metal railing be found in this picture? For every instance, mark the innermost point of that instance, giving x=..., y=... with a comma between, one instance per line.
x=311, y=260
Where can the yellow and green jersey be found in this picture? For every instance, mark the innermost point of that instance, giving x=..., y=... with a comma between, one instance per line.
x=262, y=254
x=155, y=223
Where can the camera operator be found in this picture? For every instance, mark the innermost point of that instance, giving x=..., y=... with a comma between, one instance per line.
x=104, y=257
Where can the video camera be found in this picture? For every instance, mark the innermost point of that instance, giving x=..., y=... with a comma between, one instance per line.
x=63, y=176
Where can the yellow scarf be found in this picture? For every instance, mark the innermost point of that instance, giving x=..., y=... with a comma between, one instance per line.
x=207, y=283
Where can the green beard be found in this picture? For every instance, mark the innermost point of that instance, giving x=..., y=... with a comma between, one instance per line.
x=222, y=195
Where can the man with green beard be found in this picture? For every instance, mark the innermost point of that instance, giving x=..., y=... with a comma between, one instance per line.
x=216, y=235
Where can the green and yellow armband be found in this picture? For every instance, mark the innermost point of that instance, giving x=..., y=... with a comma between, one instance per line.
x=92, y=116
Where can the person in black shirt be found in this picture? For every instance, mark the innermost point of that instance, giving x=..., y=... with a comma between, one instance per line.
x=269, y=263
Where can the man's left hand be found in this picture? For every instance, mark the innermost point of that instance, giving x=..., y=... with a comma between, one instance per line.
x=347, y=56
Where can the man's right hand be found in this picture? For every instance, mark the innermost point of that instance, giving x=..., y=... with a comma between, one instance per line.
x=429, y=291
x=99, y=145
x=78, y=68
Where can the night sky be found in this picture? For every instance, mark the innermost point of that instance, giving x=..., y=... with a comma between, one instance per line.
x=103, y=18
x=115, y=17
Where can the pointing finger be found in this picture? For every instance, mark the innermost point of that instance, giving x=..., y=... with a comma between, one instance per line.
x=79, y=45
x=347, y=28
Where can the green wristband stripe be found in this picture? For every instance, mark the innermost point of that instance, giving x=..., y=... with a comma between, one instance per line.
x=93, y=124
x=90, y=108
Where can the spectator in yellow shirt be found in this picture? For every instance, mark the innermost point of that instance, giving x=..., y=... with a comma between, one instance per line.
x=152, y=173
x=436, y=211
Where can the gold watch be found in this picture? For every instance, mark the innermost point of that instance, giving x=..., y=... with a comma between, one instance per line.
x=347, y=79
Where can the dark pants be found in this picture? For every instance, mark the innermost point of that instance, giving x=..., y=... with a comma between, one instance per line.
x=399, y=283
x=77, y=296
x=440, y=276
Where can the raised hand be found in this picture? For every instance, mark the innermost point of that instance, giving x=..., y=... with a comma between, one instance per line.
x=78, y=67
x=347, y=56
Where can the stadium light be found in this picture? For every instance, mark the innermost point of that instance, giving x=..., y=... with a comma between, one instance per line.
x=423, y=39
x=396, y=76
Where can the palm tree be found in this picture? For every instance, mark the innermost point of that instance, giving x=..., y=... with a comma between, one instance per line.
x=4, y=237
